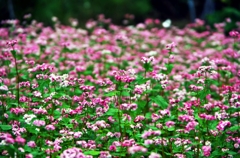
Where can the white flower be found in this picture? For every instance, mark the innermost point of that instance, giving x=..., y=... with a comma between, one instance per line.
x=208, y=143
x=64, y=83
x=2, y=143
x=106, y=51
x=28, y=118
x=167, y=23
x=4, y=88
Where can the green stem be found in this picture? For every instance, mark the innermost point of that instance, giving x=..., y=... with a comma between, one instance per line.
x=17, y=80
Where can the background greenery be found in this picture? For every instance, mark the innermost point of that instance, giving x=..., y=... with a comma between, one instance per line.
x=83, y=10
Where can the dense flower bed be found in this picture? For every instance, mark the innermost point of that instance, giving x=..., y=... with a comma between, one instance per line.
x=113, y=91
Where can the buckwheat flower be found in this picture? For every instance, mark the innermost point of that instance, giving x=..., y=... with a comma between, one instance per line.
x=112, y=148
x=134, y=149
x=12, y=42
x=110, y=134
x=105, y=154
x=117, y=134
x=164, y=112
x=139, y=118
x=57, y=147
x=39, y=123
x=21, y=149
x=29, y=156
x=31, y=144
x=37, y=94
x=206, y=150
x=5, y=115
x=180, y=156
x=234, y=33
x=111, y=119
x=24, y=99
x=154, y=155
x=9, y=140
x=147, y=59
x=222, y=124
x=155, y=117
x=106, y=51
x=50, y=127
x=77, y=134
x=17, y=110
x=72, y=153
x=170, y=124
x=159, y=126
x=64, y=83
x=3, y=88
x=151, y=53
x=20, y=140
x=236, y=145
x=148, y=141
x=214, y=132
x=191, y=126
x=170, y=46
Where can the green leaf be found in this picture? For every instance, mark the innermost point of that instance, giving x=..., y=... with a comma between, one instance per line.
x=204, y=93
x=56, y=114
x=111, y=112
x=232, y=152
x=169, y=68
x=121, y=154
x=92, y=152
x=171, y=129
x=14, y=53
x=69, y=125
x=148, y=115
x=5, y=127
x=160, y=101
x=234, y=128
x=110, y=94
x=125, y=93
x=141, y=80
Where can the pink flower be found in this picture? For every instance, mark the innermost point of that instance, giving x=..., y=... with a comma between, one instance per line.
x=29, y=156
x=154, y=155
x=50, y=127
x=31, y=144
x=222, y=124
x=127, y=143
x=155, y=117
x=20, y=140
x=147, y=59
x=77, y=134
x=104, y=154
x=236, y=145
x=57, y=147
x=170, y=46
x=139, y=118
x=9, y=140
x=148, y=142
x=72, y=153
x=112, y=148
x=39, y=123
x=206, y=150
x=111, y=119
x=134, y=149
x=191, y=126
x=170, y=124
x=234, y=33
x=12, y=42
x=180, y=156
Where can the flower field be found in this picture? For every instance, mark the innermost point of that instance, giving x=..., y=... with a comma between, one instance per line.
x=111, y=91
